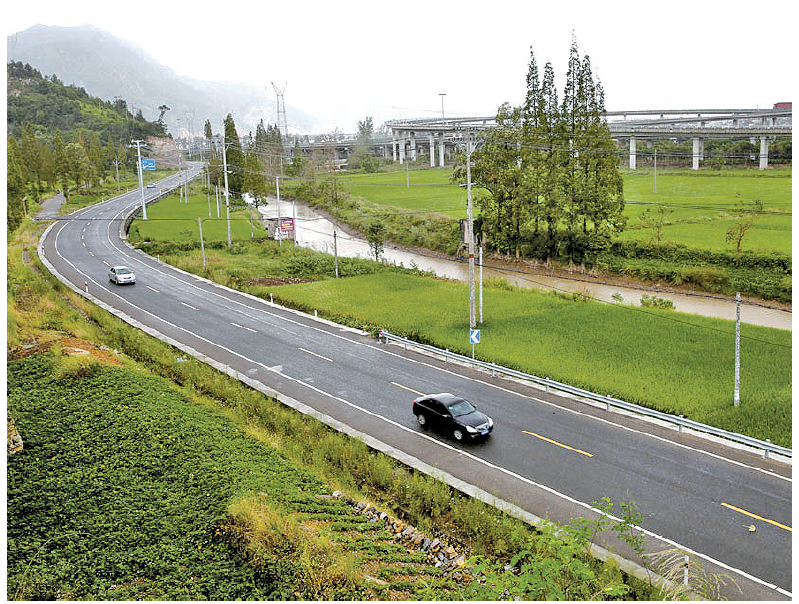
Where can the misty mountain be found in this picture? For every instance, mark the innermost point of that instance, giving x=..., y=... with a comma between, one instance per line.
x=108, y=67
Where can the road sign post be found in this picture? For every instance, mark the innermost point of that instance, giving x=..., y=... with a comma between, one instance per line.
x=474, y=338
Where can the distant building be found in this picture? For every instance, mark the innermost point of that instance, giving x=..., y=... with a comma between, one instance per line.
x=782, y=106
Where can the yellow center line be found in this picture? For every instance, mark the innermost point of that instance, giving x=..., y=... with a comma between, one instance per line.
x=316, y=355
x=751, y=515
x=554, y=442
x=406, y=388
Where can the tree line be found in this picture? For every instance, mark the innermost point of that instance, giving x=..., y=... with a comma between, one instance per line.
x=59, y=134
x=550, y=169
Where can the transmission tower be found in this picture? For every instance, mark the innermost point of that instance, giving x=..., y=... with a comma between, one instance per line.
x=281, y=111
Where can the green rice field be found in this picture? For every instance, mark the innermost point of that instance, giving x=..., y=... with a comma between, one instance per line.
x=171, y=220
x=679, y=364
x=703, y=203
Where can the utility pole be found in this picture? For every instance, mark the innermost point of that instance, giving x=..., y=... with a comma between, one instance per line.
x=442, y=94
x=481, y=283
x=655, y=186
x=737, y=394
x=202, y=243
x=335, y=251
x=470, y=226
x=141, y=180
x=227, y=198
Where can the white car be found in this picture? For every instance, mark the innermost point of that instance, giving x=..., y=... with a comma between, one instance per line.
x=151, y=185
x=121, y=274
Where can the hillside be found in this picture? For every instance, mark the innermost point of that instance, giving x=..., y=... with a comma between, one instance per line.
x=109, y=67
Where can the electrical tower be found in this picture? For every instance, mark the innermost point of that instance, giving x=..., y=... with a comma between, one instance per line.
x=281, y=112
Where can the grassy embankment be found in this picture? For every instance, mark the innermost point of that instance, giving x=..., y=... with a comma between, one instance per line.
x=693, y=249
x=680, y=364
x=156, y=479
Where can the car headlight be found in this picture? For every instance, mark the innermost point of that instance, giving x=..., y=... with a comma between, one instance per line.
x=490, y=423
x=471, y=429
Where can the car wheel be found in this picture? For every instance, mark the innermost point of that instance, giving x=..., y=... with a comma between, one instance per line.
x=458, y=434
x=422, y=420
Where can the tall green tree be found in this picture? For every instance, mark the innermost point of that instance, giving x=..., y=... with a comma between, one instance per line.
x=363, y=158
x=234, y=157
x=15, y=185
x=551, y=168
x=60, y=161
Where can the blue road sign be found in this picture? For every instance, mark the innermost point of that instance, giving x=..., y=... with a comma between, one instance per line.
x=474, y=336
x=148, y=164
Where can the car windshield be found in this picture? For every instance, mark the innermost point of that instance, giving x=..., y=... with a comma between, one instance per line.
x=123, y=271
x=462, y=407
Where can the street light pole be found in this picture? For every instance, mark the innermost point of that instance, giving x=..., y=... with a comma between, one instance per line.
x=141, y=179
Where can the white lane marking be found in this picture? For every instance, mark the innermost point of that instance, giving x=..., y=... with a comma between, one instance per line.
x=104, y=262
x=382, y=349
x=112, y=243
x=316, y=355
x=444, y=445
x=152, y=289
x=190, y=306
x=242, y=327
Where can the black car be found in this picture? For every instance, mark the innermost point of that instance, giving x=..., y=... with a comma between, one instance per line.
x=451, y=413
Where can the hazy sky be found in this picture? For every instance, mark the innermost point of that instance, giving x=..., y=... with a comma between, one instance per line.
x=346, y=60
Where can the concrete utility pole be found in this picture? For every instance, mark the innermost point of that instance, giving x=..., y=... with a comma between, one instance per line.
x=470, y=226
x=737, y=394
x=227, y=198
x=141, y=179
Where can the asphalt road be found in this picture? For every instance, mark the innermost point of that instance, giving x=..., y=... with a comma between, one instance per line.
x=550, y=456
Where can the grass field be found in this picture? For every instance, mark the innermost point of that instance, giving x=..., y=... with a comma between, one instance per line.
x=172, y=220
x=679, y=364
x=702, y=202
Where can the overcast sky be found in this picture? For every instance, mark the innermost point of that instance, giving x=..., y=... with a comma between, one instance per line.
x=346, y=60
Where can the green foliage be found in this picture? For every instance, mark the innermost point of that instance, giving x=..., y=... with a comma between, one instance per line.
x=51, y=106
x=655, y=302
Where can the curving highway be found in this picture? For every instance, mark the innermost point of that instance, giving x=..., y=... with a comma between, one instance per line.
x=549, y=456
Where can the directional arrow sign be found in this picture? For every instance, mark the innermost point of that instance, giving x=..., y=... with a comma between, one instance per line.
x=148, y=164
x=474, y=336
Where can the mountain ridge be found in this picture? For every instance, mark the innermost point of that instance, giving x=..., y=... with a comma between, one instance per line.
x=109, y=67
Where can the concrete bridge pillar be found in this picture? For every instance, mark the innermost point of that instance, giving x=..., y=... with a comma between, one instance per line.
x=697, y=155
x=632, y=153
x=432, y=142
x=402, y=147
x=441, y=149
x=763, y=152
x=413, y=146
x=393, y=145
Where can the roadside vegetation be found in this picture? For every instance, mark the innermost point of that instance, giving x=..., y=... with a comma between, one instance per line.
x=683, y=366
x=148, y=475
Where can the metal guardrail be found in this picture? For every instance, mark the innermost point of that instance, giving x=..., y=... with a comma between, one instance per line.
x=679, y=421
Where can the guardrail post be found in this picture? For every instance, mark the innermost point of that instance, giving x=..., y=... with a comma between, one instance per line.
x=546, y=383
x=679, y=426
x=765, y=451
